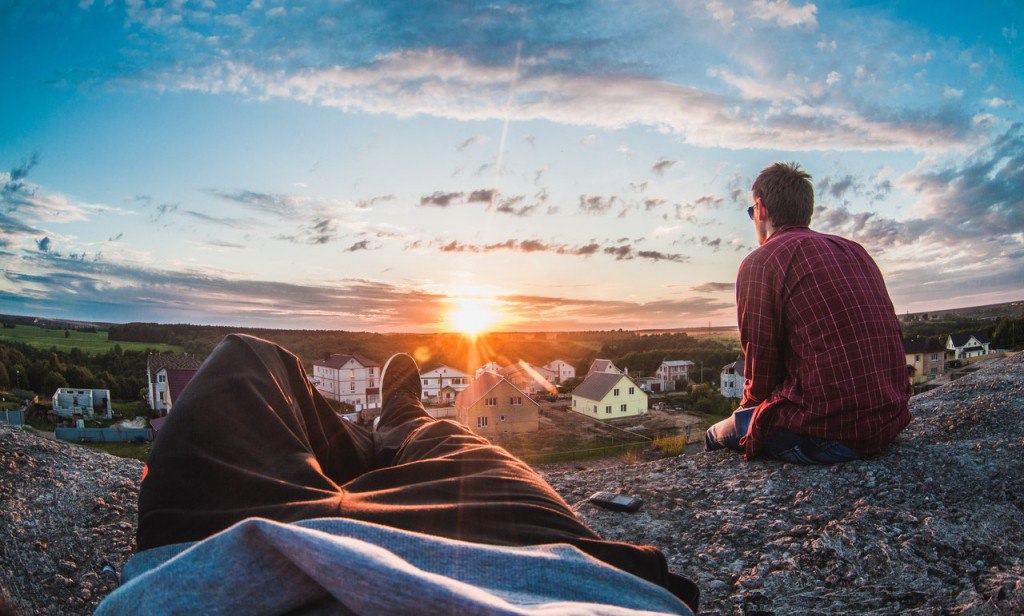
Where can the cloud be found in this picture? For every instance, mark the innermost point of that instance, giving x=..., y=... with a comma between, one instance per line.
x=650, y=204
x=784, y=14
x=621, y=252
x=589, y=140
x=482, y=196
x=475, y=139
x=43, y=245
x=283, y=206
x=366, y=204
x=440, y=199
x=714, y=287
x=510, y=206
x=662, y=166
x=596, y=204
x=721, y=13
x=360, y=245
x=223, y=221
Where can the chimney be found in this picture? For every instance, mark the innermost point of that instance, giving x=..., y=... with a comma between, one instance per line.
x=327, y=355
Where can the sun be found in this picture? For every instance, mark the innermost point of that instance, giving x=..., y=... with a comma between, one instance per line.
x=471, y=315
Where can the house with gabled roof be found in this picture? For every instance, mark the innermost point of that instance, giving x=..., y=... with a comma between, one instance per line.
x=534, y=380
x=671, y=371
x=160, y=369
x=437, y=378
x=609, y=395
x=564, y=371
x=733, y=382
x=348, y=377
x=492, y=405
x=603, y=365
x=966, y=346
x=491, y=366
x=926, y=360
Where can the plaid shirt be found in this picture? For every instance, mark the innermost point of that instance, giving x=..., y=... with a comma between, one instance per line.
x=824, y=352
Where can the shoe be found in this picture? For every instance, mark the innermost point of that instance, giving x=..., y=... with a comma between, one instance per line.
x=400, y=377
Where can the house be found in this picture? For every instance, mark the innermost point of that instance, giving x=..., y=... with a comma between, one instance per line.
x=438, y=378
x=71, y=402
x=966, y=346
x=534, y=380
x=732, y=380
x=158, y=369
x=564, y=371
x=490, y=366
x=350, y=378
x=492, y=405
x=603, y=365
x=671, y=371
x=926, y=360
x=609, y=395
x=649, y=384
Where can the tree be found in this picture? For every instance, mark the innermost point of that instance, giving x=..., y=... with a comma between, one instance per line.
x=52, y=382
x=5, y=378
x=67, y=334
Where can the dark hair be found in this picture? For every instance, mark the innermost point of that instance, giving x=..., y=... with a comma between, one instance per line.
x=786, y=192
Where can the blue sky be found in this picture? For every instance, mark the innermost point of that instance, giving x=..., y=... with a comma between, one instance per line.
x=575, y=165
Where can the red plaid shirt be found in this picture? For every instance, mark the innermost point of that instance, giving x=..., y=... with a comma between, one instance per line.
x=824, y=352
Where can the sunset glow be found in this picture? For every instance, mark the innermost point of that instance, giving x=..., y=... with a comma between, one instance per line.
x=472, y=316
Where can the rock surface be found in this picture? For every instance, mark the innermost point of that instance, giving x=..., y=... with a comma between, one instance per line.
x=934, y=526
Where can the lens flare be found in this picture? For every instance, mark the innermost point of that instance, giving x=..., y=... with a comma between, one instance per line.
x=471, y=315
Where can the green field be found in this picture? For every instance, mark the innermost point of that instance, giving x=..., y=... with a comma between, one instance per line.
x=85, y=341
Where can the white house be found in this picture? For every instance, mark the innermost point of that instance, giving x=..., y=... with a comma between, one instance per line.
x=161, y=368
x=603, y=365
x=966, y=346
x=564, y=371
x=350, y=378
x=532, y=379
x=671, y=371
x=87, y=403
x=437, y=379
x=608, y=395
x=733, y=381
x=491, y=366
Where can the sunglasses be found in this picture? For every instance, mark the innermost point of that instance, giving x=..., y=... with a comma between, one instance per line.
x=750, y=212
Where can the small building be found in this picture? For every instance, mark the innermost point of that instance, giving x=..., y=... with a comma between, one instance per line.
x=671, y=371
x=534, y=380
x=71, y=402
x=926, y=361
x=348, y=377
x=966, y=346
x=603, y=365
x=491, y=366
x=158, y=369
x=492, y=405
x=733, y=381
x=609, y=395
x=563, y=370
x=436, y=379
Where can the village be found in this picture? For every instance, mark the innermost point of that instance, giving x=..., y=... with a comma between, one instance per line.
x=555, y=411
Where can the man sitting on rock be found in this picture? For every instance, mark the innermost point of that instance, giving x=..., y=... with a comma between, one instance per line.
x=259, y=498
x=826, y=374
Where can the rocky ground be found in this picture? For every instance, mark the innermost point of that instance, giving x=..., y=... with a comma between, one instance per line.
x=935, y=526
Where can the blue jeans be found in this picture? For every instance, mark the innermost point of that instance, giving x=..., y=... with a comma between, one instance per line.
x=782, y=445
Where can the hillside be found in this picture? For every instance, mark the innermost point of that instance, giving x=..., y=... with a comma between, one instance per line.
x=937, y=525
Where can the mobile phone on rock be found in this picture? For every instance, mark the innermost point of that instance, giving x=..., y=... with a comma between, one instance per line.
x=616, y=502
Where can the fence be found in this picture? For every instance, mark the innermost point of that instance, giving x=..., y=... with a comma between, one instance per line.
x=15, y=418
x=104, y=435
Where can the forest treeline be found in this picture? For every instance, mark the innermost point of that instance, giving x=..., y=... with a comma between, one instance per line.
x=641, y=354
x=25, y=367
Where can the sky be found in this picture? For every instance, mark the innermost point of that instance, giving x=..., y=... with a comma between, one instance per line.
x=380, y=166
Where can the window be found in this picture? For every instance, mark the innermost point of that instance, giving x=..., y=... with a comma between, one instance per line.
x=370, y=383
x=608, y=409
x=492, y=402
x=424, y=382
x=615, y=393
x=632, y=391
x=161, y=378
x=481, y=422
x=935, y=356
x=574, y=403
x=515, y=400
x=622, y=408
x=352, y=387
x=501, y=418
x=595, y=409
x=352, y=374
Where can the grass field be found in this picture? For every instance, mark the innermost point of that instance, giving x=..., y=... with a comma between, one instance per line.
x=85, y=341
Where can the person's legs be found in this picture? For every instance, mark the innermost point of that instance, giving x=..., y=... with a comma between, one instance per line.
x=728, y=432
x=802, y=449
x=248, y=437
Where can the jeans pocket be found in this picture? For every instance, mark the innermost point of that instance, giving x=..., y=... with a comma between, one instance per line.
x=794, y=455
